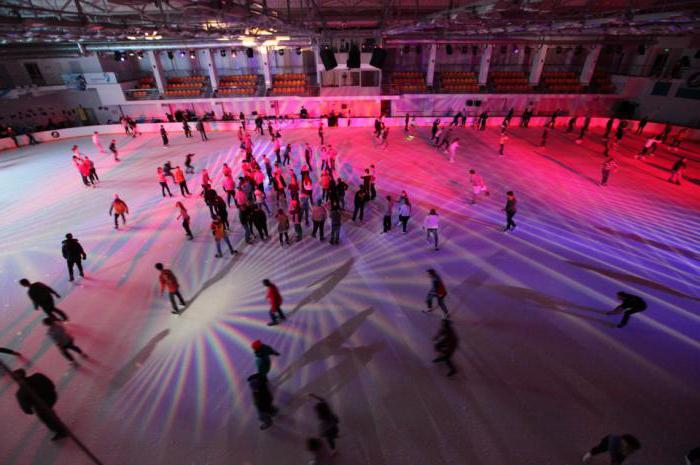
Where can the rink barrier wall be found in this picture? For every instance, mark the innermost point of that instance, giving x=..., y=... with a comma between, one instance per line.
x=232, y=126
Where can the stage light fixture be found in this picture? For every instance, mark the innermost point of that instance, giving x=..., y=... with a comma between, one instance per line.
x=475, y=49
x=222, y=52
x=418, y=49
x=281, y=51
x=131, y=53
x=139, y=55
x=448, y=49
x=193, y=55
x=298, y=50
x=182, y=53
x=171, y=55
x=464, y=49
x=516, y=50
x=249, y=52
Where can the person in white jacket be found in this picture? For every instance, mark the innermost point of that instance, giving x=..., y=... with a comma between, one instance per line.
x=454, y=145
x=96, y=141
x=431, y=224
x=478, y=185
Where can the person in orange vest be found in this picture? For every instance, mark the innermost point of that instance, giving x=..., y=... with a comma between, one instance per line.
x=179, y=177
x=118, y=208
x=275, y=299
x=169, y=281
x=218, y=230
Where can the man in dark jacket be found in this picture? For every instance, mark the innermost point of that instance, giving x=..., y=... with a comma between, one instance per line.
x=630, y=304
x=336, y=221
x=262, y=398
x=445, y=345
x=262, y=357
x=37, y=395
x=360, y=199
x=200, y=129
x=259, y=219
x=42, y=296
x=74, y=254
x=619, y=448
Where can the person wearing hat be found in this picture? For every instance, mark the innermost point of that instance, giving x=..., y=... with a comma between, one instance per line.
x=262, y=356
x=74, y=254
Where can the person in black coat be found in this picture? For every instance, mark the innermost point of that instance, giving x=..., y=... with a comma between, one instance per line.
x=42, y=296
x=360, y=200
x=200, y=129
x=209, y=198
x=263, y=400
x=187, y=129
x=259, y=219
x=445, y=345
x=74, y=254
x=37, y=395
x=164, y=135
x=629, y=305
x=221, y=210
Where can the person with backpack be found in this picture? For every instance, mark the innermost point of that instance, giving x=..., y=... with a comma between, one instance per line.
x=74, y=254
x=118, y=208
x=437, y=291
x=168, y=281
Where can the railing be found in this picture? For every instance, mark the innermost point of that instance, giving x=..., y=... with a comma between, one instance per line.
x=443, y=68
x=238, y=71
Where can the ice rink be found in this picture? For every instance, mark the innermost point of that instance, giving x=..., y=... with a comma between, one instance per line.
x=543, y=372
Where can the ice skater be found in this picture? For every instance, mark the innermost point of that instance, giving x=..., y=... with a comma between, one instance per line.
x=454, y=145
x=182, y=214
x=74, y=254
x=404, y=213
x=327, y=421
x=189, y=168
x=629, y=305
x=502, y=142
x=118, y=208
x=42, y=296
x=113, y=149
x=262, y=399
x=168, y=281
x=478, y=185
x=437, y=291
x=445, y=343
x=201, y=130
x=386, y=223
x=359, y=204
x=282, y=227
x=90, y=168
x=511, y=209
x=275, y=299
x=187, y=129
x=608, y=166
x=543, y=138
x=263, y=352
x=678, y=170
x=96, y=142
x=179, y=177
x=431, y=224
x=163, y=181
x=164, y=135
x=618, y=447
x=336, y=218
x=218, y=230
x=62, y=338
x=37, y=395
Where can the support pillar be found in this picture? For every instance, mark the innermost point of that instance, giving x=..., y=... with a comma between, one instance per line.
x=319, y=64
x=430, y=74
x=157, y=69
x=589, y=66
x=211, y=68
x=485, y=64
x=262, y=50
x=538, y=65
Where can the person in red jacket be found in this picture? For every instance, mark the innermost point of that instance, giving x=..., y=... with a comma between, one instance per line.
x=275, y=299
x=169, y=281
x=118, y=208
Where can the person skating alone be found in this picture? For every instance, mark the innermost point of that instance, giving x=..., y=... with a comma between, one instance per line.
x=201, y=130
x=629, y=305
x=189, y=167
x=262, y=399
x=118, y=208
x=113, y=149
x=431, y=224
x=327, y=421
x=37, y=396
x=502, y=141
x=168, y=281
x=677, y=171
x=437, y=291
x=185, y=217
x=478, y=185
x=454, y=145
x=404, y=213
x=608, y=166
x=445, y=343
x=96, y=142
x=164, y=135
x=275, y=299
x=218, y=230
x=511, y=209
x=42, y=296
x=62, y=338
x=386, y=224
x=263, y=352
x=619, y=447
x=187, y=129
x=543, y=139
x=361, y=198
x=74, y=254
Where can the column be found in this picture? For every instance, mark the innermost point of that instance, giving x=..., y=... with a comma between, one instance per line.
x=430, y=75
x=484, y=66
x=538, y=65
x=319, y=64
x=262, y=50
x=589, y=66
x=208, y=61
x=157, y=69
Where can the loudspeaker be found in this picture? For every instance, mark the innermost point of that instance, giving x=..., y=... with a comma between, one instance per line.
x=378, y=57
x=477, y=103
x=354, y=57
x=448, y=49
x=249, y=52
x=470, y=103
x=328, y=59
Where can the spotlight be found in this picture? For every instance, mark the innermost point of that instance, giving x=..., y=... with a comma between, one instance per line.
x=118, y=56
x=298, y=50
x=516, y=50
x=193, y=55
x=418, y=49
x=448, y=49
x=464, y=50
x=222, y=52
x=171, y=55
x=139, y=55
x=182, y=53
x=281, y=51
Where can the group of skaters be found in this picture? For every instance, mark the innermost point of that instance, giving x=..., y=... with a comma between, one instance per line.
x=297, y=199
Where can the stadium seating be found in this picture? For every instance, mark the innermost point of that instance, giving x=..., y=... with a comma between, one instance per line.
x=188, y=86
x=407, y=82
x=510, y=81
x=459, y=82
x=561, y=81
x=238, y=85
x=289, y=84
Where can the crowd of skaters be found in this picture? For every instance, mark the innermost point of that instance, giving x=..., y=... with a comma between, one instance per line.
x=294, y=204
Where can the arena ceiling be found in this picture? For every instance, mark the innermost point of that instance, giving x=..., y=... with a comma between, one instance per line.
x=35, y=22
